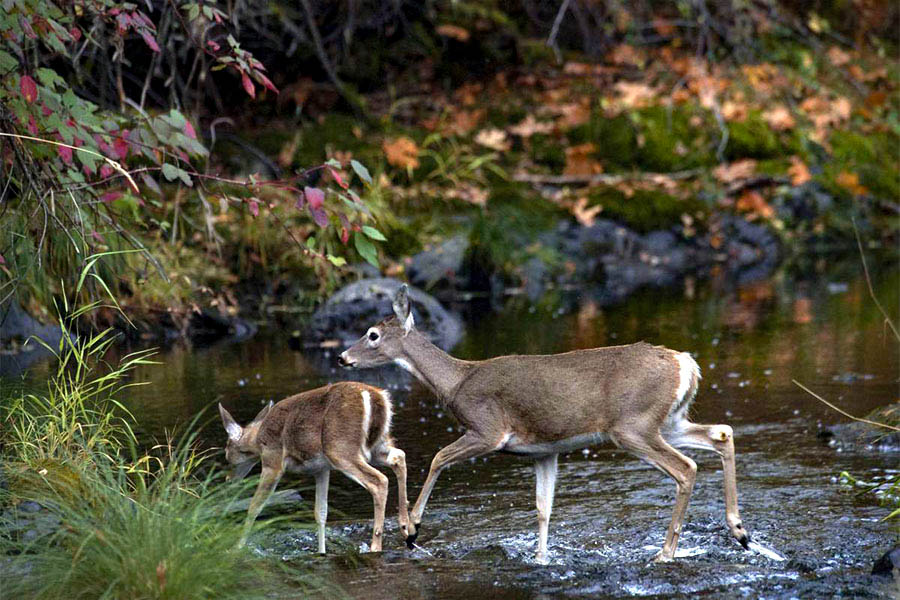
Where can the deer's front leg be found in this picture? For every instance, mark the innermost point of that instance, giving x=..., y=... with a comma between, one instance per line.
x=267, y=482
x=322, y=505
x=545, y=472
x=469, y=445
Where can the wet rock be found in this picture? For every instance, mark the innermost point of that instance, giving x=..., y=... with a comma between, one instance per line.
x=29, y=506
x=861, y=436
x=659, y=242
x=358, y=306
x=887, y=564
x=16, y=327
x=211, y=325
x=440, y=265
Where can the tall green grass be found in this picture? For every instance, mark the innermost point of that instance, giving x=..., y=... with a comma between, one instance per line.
x=126, y=524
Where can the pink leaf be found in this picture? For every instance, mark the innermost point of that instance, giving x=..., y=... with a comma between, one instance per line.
x=110, y=196
x=45, y=110
x=29, y=30
x=315, y=196
x=75, y=33
x=254, y=207
x=301, y=202
x=2, y=260
x=65, y=153
x=319, y=215
x=106, y=171
x=212, y=44
x=189, y=130
x=248, y=85
x=97, y=237
x=32, y=125
x=28, y=88
x=337, y=177
x=345, y=235
x=120, y=145
x=150, y=41
x=267, y=83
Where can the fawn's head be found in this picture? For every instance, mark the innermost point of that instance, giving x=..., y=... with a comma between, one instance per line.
x=383, y=341
x=242, y=451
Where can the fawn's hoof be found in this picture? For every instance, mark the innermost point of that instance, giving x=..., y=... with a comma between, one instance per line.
x=745, y=540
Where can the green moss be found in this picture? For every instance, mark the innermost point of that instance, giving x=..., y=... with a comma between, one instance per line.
x=505, y=115
x=671, y=143
x=547, y=151
x=874, y=157
x=334, y=132
x=535, y=53
x=645, y=210
x=615, y=138
x=752, y=138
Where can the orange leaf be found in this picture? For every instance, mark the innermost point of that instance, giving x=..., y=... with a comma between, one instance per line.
x=779, y=118
x=729, y=172
x=530, y=126
x=838, y=57
x=850, y=182
x=754, y=203
x=580, y=162
x=495, y=139
x=798, y=171
x=585, y=214
x=401, y=152
x=453, y=31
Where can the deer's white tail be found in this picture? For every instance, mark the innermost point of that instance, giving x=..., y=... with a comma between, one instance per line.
x=688, y=382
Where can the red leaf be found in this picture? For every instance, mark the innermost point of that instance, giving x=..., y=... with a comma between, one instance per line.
x=215, y=47
x=337, y=177
x=267, y=83
x=248, y=85
x=106, y=171
x=315, y=196
x=254, y=208
x=2, y=260
x=319, y=215
x=345, y=235
x=189, y=130
x=110, y=196
x=32, y=125
x=301, y=202
x=150, y=41
x=28, y=88
x=65, y=153
x=45, y=110
x=75, y=33
x=120, y=145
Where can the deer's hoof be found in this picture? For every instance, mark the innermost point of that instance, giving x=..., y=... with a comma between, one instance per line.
x=662, y=558
x=745, y=541
x=411, y=538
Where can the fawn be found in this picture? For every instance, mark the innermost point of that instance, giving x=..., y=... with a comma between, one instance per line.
x=343, y=426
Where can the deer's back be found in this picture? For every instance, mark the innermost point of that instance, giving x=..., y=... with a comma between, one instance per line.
x=310, y=424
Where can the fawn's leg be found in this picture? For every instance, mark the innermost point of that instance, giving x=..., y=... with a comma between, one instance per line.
x=719, y=439
x=395, y=458
x=376, y=483
x=267, y=482
x=322, y=505
x=545, y=473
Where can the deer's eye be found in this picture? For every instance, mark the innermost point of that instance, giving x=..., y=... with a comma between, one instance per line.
x=373, y=336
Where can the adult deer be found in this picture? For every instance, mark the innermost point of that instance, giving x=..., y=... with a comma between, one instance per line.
x=344, y=426
x=636, y=395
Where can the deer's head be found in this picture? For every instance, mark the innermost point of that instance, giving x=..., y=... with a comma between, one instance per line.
x=242, y=450
x=382, y=343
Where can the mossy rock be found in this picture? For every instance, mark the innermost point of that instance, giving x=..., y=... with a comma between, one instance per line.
x=670, y=142
x=615, y=139
x=872, y=156
x=645, y=210
x=753, y=138
x=335, y=131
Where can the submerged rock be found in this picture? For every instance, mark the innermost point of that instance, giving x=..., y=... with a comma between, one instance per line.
x=861, y=436
x=888, y=563
x=358, y=306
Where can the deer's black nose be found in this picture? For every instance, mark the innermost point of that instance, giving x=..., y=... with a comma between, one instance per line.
x=344, y=361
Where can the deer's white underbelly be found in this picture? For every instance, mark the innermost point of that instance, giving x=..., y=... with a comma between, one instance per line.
x=515, y=446
x=312, y=465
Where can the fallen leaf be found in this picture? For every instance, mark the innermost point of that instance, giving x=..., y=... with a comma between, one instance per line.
x=574, y=114
x=401, y=152
x=579, y=160
x=779, y=118
x=495, y=139
x=734, y=111
x=530, y=126
x=741, y=169
x=626, y=54
x=798, y=171
x=802, y=310
x=838, y=57
x=634, y=94
x=471, y=194
x=754, y=203
x=453, y=31
x=584, y=214
x=850, y=182
x=464, y=121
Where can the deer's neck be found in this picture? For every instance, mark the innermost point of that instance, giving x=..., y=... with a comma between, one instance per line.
x=439, y=371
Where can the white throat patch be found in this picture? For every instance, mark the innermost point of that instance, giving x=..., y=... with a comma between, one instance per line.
x=408, y=323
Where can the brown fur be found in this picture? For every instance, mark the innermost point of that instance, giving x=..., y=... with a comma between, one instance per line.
x=316, y=431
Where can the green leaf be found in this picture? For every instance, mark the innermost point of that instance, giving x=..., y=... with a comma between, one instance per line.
x=311, y=242
x=176, y=119
x=365, y=249
x=7, y=62
x=331, y=162
x=373, y=233
x=170, y=172
x=361, y=170
x=49, y=78
x=338, y=261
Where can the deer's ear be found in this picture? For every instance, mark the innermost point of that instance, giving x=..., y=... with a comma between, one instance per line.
x=264, y=412
x=401, y=308
x=231, y=427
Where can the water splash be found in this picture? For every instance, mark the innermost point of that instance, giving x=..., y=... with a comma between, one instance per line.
x=767, y=552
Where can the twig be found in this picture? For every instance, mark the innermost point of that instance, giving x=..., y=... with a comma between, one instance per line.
x=115, y=165
x=862, y=256
x=603, y=178
x=551, y=39
x=843, y=412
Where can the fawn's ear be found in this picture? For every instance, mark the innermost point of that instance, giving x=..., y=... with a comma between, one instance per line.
x=231, y=427
x=401, y=308
x=265, y=411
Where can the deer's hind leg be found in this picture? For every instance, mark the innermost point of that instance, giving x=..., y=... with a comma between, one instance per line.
x=322, y=478
x=654, y=450
x=395, y=458
x=375, y=482
x=719, y=439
